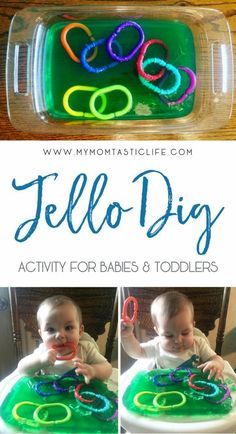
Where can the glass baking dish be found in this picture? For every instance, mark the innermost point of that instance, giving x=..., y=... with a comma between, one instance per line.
x=119, y=69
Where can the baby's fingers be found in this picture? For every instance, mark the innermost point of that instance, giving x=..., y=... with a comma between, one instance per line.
x=212, y=373
x=219, y=375
x=201, y=366
x=77, y=361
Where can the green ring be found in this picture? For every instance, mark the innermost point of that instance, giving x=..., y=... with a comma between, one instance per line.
x=144, y=406
x=168, y=407
x=52, y=422
x=109, y=89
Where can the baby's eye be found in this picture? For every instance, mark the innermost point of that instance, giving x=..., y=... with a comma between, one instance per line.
x=69, y=327
x=185, y=333
x=50, y=329
x=168, y=336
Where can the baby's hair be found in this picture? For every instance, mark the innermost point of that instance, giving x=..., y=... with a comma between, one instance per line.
x=55, y=301
x=170, y=303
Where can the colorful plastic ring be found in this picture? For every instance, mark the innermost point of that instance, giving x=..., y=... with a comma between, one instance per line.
x=226, y=395
x=69, y=356
x=21, y=419
x=113, y=416
x=192, y=385
x=41, y=384
x=141, y=57
x=68, y=48
x=84, y=61
x=158, y=383
x=179, y=380
x=213, y=386
x=73, y=89
x=127, y=302
x=144, y=406
x=80, y=397
x=111, y=39
x=109, y=89
x=168, y=407
x=94, y=409
x=190, y=89
x=52, y=422
x=59, y=388
x=170, y=68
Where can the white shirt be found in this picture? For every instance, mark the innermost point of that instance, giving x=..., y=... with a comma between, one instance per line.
x=164, y=359
x=87, y=350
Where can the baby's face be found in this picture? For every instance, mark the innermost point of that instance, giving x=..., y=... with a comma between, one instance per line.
x=176, y=334
x=60, y=325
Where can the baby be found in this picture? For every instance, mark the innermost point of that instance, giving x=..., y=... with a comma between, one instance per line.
x=173, y=319
x=65, y=344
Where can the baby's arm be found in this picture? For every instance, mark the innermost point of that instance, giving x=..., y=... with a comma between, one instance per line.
x=215, y=365
x=29, y=365
x=129, y=342
x=101, y=370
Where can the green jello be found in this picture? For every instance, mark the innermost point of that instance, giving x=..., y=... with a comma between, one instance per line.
x=60, y=72
x=196, y=406
x=83, y=421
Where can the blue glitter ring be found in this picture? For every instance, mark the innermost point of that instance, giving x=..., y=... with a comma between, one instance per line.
x=38, y=386
x=92, y=46
x=170, y=68
x=94, y=409
x=215, y=388
x=158, y=383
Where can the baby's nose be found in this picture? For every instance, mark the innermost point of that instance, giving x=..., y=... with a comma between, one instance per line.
x=178, y=339
x=60, y=334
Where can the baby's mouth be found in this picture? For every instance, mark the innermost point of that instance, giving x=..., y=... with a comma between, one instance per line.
x=178, y=349
x=65, y=351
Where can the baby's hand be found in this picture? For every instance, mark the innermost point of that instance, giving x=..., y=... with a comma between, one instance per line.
x=48, y=358
x=127, y=328
x=215, y=369
x=86, y=370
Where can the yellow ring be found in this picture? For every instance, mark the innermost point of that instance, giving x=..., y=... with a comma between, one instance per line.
x=144, y=406
x=73, y=89
x=21, y=419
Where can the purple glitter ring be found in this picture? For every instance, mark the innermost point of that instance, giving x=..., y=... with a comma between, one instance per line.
x=190, y=89
x=115, y=34
x=172, y=374
x=114, y=415
x=226, y=395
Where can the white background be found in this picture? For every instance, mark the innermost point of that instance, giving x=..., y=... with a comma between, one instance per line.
x=205, y=177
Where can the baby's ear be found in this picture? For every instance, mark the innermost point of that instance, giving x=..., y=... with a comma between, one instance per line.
x=39, y=332
x=81, y=329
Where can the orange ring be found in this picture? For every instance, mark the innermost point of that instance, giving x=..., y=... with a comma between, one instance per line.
x=125, y=316
x=68, y=48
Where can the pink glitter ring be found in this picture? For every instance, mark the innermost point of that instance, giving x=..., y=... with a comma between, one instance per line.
x=141, y=57
x=192, y=385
